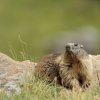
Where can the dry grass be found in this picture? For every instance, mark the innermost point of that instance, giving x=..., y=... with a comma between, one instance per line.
x=40, y=90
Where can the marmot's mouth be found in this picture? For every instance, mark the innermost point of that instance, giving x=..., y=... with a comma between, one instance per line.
x=71, y=53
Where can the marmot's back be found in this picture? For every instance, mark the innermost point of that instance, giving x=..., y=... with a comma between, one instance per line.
x=47, y=68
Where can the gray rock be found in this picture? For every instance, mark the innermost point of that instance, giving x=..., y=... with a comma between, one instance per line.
x=13, y=74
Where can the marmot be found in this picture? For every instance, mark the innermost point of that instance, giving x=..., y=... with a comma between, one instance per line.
x=75, y=67
x=69, y=68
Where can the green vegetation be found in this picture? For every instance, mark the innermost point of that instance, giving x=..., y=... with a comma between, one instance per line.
x=36, y=22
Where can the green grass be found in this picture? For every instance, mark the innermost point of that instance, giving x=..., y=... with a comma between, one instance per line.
x=40, y=90
x=38, y=22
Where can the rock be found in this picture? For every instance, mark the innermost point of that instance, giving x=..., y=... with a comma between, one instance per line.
x=96, y=70
x=13, y=74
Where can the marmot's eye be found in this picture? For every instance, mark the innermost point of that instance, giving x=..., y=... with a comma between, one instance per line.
x=69, y=65
x=76, y=44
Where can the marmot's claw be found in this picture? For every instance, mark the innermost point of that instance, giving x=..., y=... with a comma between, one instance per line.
x=86, y=84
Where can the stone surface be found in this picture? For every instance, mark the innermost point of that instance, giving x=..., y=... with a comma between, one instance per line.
x=13, y=74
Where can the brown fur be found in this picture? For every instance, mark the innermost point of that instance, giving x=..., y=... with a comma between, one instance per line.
x=71, y=69
x=48, y=69
x=79, y=72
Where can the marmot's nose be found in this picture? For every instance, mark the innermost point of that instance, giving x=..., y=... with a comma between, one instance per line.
x=68, y=47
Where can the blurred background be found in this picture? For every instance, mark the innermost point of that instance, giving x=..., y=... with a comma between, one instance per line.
x=30, y=29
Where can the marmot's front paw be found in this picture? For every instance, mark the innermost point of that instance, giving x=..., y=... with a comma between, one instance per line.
x=86, y=84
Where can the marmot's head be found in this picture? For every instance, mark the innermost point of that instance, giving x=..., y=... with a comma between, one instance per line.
x=75, y=50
